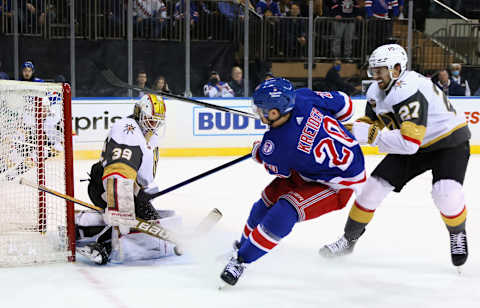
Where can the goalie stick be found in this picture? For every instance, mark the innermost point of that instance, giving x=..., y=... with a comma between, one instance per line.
x=117, y=82
x=144, y=226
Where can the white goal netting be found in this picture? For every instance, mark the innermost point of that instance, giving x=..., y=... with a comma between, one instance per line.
x=35, y=141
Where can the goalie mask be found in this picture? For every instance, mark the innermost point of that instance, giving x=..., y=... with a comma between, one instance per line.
x=149, y=112
x=388, y=56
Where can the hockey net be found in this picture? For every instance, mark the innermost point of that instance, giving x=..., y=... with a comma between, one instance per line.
x=35, y=144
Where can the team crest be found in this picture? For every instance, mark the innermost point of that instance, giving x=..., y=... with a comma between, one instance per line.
x=129, y=128
x=268, y=147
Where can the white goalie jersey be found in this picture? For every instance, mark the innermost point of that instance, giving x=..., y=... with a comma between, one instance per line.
x=127, y=153
x=418, y=114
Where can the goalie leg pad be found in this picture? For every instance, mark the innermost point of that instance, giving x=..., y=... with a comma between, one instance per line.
x=120, y=205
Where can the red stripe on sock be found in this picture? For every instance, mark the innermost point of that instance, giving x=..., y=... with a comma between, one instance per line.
x=262, y=241
x=362, y=208
x=455, y=216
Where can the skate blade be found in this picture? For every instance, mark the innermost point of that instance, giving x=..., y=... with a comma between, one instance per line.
x=459, y=270
x=222, y=285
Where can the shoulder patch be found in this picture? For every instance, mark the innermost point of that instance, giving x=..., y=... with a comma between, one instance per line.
x=128, y=128
x=268, y=147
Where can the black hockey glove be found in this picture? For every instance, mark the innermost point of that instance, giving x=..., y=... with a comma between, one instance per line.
x=144, y=197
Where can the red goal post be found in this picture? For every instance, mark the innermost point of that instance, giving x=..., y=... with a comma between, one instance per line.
x=36, y=144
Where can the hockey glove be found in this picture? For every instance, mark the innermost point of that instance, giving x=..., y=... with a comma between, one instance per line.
x=349, y=126
x=255, y=152
x=365, y=133
x=144, y=196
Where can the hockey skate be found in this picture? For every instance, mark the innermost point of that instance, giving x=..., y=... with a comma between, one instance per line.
x=96, y=252
x=232, y=272
x=341, y=247
x=458, y=248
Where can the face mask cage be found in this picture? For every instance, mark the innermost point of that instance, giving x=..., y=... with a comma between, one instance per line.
x=152, y=123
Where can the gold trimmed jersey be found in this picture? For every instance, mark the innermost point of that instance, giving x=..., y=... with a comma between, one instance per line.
x=418, y=115
x=127, y=153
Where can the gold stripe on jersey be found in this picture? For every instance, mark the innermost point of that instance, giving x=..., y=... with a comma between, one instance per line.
x=111, y=194
x=457, y=220
x=444, y=135
x=360, y=214
x=413, y=131
x=120, y=169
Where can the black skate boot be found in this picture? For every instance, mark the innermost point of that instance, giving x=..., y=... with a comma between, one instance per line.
x=458, y=248
x=341, y=247
x=96, y=252
x=232, y=272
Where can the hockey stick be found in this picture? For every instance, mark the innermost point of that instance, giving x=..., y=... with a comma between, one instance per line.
x=201, y=175
x=144, y=226
x=115, y=81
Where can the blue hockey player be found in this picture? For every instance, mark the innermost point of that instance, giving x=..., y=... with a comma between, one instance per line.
x=317, y=162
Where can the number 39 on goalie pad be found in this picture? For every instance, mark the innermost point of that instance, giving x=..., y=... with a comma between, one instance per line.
x=120, y=209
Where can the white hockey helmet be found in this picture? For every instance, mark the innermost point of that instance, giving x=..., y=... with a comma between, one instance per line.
x=388, y=56
x=149, y=111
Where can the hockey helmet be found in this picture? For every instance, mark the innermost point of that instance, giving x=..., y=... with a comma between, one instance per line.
x=149, y=111
x=388, y=56
x=275, y=93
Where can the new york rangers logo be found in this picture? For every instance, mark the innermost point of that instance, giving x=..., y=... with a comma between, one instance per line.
x=268, y=147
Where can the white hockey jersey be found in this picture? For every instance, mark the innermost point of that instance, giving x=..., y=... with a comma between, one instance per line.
x=127, y=153
x=419, y=115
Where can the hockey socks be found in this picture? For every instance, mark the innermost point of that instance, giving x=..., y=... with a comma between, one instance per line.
x=358, y=218
x=456, y=223
x=276, y=224
x=257, y=213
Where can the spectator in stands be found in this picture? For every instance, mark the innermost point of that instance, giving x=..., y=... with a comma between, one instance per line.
x=344, y=26
x=141, y=83
x=268, y=5
x=149, y=16
x=284, y=7
x=401, y=6
x=477, y=93
x=233, y=13
x=237, y=81
x=161, y=84
x=379, y=26
x=3, y=75
x=420, y=12
x=455, y=69
x=28, y=72
x=294, y=31
x=335, y=82
x=180, y=8
x=230, y=10
x=217, y=88
x=448, y=86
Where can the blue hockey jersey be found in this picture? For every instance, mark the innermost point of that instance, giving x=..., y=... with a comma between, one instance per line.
x=314, y=143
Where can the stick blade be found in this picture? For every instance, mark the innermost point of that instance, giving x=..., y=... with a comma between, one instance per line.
x=209, y=221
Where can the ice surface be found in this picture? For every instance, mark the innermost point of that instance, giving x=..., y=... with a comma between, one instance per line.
x=403, y=259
